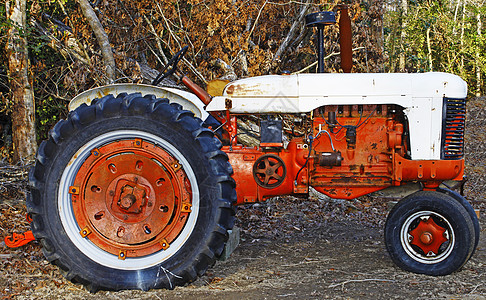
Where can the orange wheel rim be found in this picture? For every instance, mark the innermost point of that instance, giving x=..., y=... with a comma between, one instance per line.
x=131, y=198
x=427, y=237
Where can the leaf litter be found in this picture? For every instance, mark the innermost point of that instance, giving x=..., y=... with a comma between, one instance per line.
x=290, y=248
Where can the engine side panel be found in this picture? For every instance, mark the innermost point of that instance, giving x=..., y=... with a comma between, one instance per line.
x=364, y=136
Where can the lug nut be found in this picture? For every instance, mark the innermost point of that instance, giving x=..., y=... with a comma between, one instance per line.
x=426, y=238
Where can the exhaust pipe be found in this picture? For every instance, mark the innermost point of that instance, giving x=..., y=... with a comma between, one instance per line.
x=345, y=41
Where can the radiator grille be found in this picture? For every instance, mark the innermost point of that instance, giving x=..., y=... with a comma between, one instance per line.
x=453, y=128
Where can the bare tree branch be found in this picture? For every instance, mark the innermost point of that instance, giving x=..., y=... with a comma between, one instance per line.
x=293, y=31
x=326, y=57
x=157, y=39
x=257, y=18
x=71, y=48
x=101, y=37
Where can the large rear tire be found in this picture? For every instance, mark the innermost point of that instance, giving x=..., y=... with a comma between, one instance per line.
x=131, y=193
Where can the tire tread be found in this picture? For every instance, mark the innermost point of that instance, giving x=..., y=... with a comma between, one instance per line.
x=148, y=107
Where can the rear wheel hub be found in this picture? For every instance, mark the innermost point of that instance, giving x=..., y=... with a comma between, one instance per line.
x=131, y=198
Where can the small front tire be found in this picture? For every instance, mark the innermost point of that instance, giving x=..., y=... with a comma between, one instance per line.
x=429, y=233
x=470, y=210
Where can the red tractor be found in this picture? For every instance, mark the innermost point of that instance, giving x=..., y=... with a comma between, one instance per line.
x=136, y=188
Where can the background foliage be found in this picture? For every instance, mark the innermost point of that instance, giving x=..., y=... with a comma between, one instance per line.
x=455, y=40
x=245, y=34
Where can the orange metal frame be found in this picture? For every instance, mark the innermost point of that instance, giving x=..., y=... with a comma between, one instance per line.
x=375, y=162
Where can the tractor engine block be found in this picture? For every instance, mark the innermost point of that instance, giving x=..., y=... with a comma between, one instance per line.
x=353, y=147
x=346, y=151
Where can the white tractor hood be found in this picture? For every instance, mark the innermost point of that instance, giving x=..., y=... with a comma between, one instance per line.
x=421, y=96
x=304, y=92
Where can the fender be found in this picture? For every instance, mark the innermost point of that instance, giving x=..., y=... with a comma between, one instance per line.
x=188, y=100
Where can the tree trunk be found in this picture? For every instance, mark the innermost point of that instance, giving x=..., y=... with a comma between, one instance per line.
x=455, y=17
x=377, y=33
x=23, y=111
x=478, y=57
x=102, y=39
x=463, y=24
x=403, y=35
x=429, y=51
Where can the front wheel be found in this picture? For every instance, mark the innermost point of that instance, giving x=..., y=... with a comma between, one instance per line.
x=429, y=233
x=131, y=193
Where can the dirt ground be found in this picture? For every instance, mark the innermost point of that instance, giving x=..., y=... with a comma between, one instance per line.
x=290, y=248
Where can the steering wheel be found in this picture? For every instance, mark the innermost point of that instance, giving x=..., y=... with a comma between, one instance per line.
x=171, y=65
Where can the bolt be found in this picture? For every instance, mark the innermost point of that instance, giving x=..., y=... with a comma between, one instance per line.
x=127, y=201
x=426, y=238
